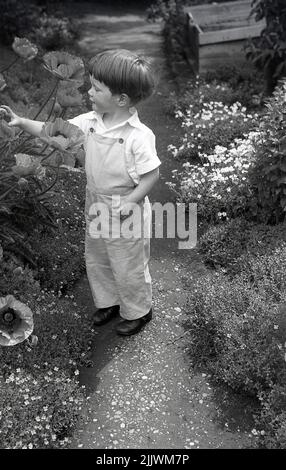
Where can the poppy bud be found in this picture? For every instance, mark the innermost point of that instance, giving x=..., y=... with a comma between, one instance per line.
x=3, y=83
x=23, y=183
x=57, y=109
x=58, y=160
x=34, y=340
x=18, y=270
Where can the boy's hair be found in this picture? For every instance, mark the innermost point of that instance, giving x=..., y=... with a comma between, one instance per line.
x=123, y=71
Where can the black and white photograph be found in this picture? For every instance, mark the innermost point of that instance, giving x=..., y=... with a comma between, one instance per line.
x=143, y=229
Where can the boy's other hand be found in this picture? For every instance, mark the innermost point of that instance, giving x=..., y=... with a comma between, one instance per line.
x=125, y=211
x=15, y=120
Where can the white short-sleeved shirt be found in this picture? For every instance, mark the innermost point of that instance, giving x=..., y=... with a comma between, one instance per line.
x=141, y=141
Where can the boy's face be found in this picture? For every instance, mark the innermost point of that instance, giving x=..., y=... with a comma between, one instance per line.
x=101, y=97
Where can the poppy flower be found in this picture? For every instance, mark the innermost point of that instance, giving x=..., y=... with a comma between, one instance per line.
x=68, y=96
x=7, y=133
x=3, y=83
x=62, y=135
x=16, y=321
x=28, y=165
x=65, y=66
x=24, y=48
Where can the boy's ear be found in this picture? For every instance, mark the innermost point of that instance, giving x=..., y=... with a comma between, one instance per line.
x=123, y=99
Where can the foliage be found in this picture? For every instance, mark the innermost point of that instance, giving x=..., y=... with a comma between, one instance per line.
x=230, y=244
x=25, y=18
x=61, y=264
x=227, y=85
x=268, y=174
x=63, y=334
x=41, y=201
x=219, y=185
x=273, y=418
x=269, y=50
x=238, y=333
x=234, y=332
x=25, y=188
x=250, y=170
x=174, y=27
x=23, y=205
x=53, y=31
x=37, y=411
x=243, y=84
x=36, y=380
x=17, y=18
x=209, y=124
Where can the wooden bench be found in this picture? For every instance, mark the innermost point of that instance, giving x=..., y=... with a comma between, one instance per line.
x=217, y=33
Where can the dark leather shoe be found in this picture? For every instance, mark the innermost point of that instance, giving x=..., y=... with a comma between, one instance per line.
x=103, y=315
x=130, y=327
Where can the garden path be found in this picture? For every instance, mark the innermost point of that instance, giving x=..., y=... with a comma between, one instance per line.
x=141, y=391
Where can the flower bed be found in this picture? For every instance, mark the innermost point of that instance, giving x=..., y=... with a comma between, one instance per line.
x=228, y=245
x=220, y=185
x=235, y=172
x=41, y=256
x=238, y=333
x=214, y=124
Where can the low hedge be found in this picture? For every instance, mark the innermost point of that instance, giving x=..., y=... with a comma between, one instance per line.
x=239, y=335
x=228, y=245
x=238, y=318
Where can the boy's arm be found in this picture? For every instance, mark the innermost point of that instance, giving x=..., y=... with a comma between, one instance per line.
x=145, y=185
x=28, y=125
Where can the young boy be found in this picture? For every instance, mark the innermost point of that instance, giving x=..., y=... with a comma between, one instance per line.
x=121, y=166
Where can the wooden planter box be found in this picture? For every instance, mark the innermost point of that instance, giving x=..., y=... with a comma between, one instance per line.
x=218, y=32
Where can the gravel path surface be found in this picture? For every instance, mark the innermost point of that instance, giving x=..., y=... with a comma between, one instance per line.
x=141, y=391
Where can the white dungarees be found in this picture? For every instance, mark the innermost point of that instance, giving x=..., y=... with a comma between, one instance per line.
x=117, y=268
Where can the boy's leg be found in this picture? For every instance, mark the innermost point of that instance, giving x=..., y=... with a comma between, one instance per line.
x=99, y=273
x=129, y=261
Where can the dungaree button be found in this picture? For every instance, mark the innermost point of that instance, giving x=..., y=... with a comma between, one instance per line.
x=121, y=140
x=91, y=129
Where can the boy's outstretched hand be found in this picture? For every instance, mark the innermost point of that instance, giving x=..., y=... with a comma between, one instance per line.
x=15, y=120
